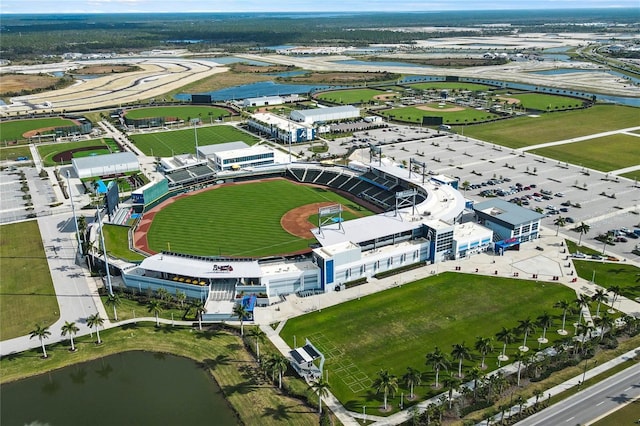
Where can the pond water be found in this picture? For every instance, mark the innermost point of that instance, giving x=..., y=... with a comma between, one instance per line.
x=287, y=73
x=255, y=90
x=380, y=63
x=132, y=388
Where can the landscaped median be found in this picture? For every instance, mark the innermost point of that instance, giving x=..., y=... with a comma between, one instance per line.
x=219, y=351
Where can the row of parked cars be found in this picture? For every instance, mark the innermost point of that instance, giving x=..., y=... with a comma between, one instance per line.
x=579, y=255
x=620, y=235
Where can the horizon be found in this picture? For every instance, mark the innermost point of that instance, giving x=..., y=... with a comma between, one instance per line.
x=97, y=7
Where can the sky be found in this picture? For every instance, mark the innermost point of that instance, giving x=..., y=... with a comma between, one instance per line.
x=131, y=6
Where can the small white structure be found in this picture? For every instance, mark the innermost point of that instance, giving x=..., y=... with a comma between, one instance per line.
x=281, y=129
x=262, y=101
x=311, y=116
x=237, y=155
x=105, y=165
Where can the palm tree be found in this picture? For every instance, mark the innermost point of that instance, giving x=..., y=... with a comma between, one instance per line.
x=412, y=377
x=181, y=296
x=451, y=383
x=545, y=321
x=599, y=297
x=564, y=305
x=460, y=352
x=41, y=333
x=506, y=336
x=437, y=360
x=162, y=293
x=240, y=311
x=386, y=383
x=96, y=321
x=559, y=221
x=615, y=289
x=503, y=408
x=520, y=400
x=537, y=393
x=581, y=302
x=321, y=388
x=113, y=300
x=70, y=328
x=155, y=307
x=585, y=331
x=279, y=364
x=259, y=335
x=484, y=345
x=519, y=357
x=606, y=322
x=606, y=239
x=200, y=309
x=583, y=228
x=526, y=326
x=475, y=374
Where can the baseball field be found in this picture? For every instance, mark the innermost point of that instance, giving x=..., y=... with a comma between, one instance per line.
x=183, y=112
x=253, y=219
x=16, y=129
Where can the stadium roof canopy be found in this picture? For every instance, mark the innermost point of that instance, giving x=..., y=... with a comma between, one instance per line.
x=201, y=267
x=208, y=150
x=363, y=229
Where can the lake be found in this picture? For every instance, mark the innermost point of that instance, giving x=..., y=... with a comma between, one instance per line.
x=132, y=388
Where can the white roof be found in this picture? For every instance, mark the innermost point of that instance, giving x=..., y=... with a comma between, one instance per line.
x=265, y=98
x=323, y=112
x=279, y=122
x=200, y=267
x=253, y=150
x=107, y=160
x=215, y=148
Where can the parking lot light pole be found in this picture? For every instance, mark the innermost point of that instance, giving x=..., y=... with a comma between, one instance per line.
x=104, y=252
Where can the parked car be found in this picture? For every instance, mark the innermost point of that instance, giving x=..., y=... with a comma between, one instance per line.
x=621, y=240
x=578, y=255
x=564, y=209
x=569, y=220
x=613, y=259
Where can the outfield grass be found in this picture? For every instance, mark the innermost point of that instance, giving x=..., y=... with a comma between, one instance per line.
x=215, y=222
x=635, y=175
x=116, y=239
x=220, y=353
x=542, y=102
x=12, y=153
x=414, y=114
x=527, y=131
x=611, y=273
x=440, y=85
x=605, y=154
x=183, y=112
x=396, y=328
x=27, y=294
x=353, y=96
x=48, y=151
x=166, y=144
x=14, y=129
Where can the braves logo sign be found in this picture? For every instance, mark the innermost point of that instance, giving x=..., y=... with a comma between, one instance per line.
x=222, y=268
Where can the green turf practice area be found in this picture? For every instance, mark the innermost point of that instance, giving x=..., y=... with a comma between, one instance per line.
x=167, y=144
x=355, y=96
x=542, y=102
x=605, y=154
x=527, y=131
x=14, y=152
x=611, y=274
x=450, y=114
x=206, y=114
x=396, y=328
x=116, y=239
x=49, y=152
x=15, y=129
x=28, y=296
x=215, y=222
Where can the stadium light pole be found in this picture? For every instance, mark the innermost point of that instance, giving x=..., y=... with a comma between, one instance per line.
x=195, y=131
x=104, y=251
x=75, y=218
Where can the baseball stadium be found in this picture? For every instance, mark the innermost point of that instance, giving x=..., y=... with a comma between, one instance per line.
x=257, y=235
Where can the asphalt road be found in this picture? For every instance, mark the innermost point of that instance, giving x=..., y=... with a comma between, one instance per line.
x=591, y=403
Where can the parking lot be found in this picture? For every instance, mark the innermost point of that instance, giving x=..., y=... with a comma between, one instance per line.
x=603, y=201
x=17, y=201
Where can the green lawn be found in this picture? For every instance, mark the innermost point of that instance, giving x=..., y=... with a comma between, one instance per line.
x=48, y=151
x=611, y=273
x=396, y=328
x=185, y=112
x=414, y=114
x=542, y=102
x=166, y=144
x=14, y=129
x=352, y=96
x=12, y=153
x=27, y=294
x=214, y=222
x=635, y=175
x=526, y=131
x=627, y=415
x=440, y=85
x=116, y=239
x=604, y=154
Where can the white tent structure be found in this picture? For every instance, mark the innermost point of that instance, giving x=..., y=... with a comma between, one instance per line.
x=105, y=165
